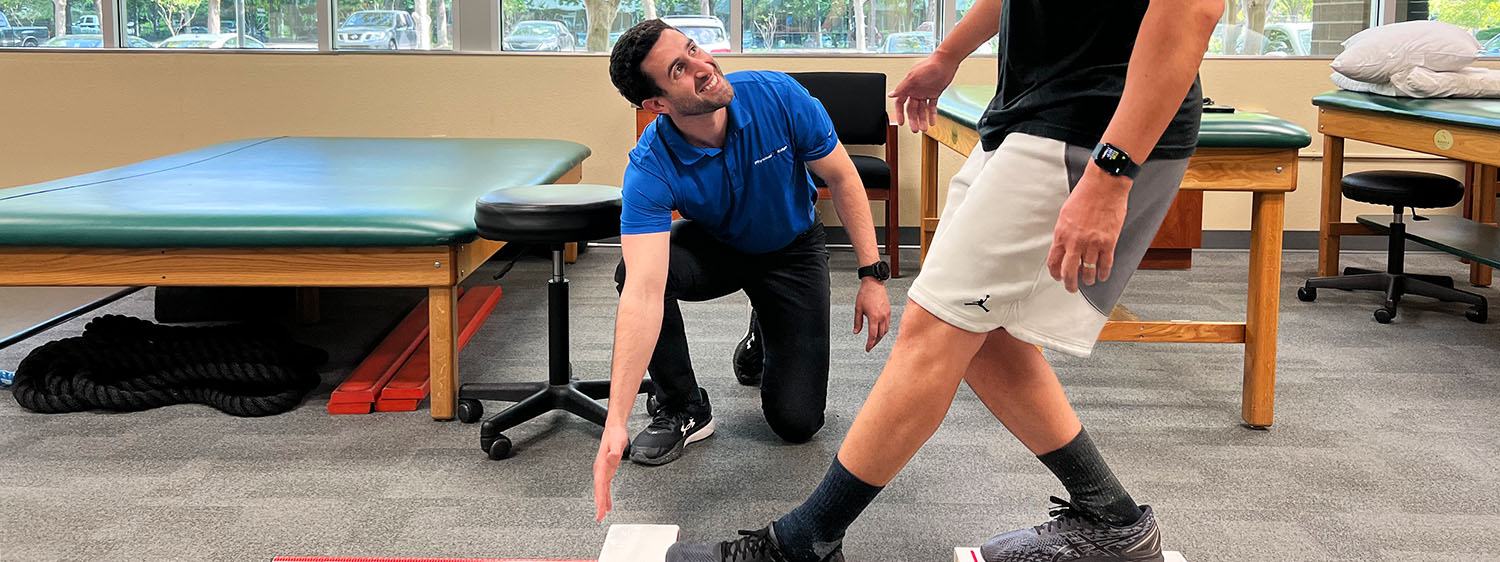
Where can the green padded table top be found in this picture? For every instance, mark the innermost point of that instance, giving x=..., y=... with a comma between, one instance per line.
x=284, y=191
x=966, y=104
x=1463, y=112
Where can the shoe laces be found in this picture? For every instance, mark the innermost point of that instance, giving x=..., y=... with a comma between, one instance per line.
x=752, y=546
x=1066, y=517
x=668, y=419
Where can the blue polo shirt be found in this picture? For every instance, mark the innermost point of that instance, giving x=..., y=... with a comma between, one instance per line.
x=754, y=194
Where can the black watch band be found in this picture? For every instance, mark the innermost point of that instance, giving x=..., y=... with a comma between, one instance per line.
x=1114, y=161
x=879, y=270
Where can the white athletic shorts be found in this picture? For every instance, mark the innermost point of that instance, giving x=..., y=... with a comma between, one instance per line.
x=987, y=266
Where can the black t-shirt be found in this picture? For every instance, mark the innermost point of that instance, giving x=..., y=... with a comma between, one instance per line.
x=1062, y=72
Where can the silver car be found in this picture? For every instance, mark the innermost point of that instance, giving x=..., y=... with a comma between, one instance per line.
x=383, y=30
x=539, y=35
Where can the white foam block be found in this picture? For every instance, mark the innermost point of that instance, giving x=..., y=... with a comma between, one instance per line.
x=962, y=554
x=638, y=543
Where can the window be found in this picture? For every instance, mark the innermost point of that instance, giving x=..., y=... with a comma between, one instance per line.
x=384, y=25
x=32, y=23
x=846, y=26
x=219, y=24
x=1287, y=27
x=1274, y=28
x=989, y=47
x=1319, y=27
x=1481, y=17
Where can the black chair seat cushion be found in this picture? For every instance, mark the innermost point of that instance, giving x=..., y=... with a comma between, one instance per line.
x=874, y=172
x=549, y=213
x=1403, y=188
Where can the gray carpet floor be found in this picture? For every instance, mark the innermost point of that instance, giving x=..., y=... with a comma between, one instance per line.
x=1386, y=445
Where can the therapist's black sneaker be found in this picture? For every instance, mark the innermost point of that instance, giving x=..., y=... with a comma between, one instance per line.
x=671, y=430
x=752, y=546
x=1075, y=536
x=749, y=361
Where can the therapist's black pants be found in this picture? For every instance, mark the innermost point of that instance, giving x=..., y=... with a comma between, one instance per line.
x=789, y=290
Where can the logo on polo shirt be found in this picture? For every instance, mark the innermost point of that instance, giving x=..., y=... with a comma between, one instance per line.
x=773, y=153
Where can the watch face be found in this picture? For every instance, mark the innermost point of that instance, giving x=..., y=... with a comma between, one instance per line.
x=1111, y=159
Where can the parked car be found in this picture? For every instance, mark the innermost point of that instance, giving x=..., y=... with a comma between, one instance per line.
x=92, y=41
x=210, y=41
x=1491, y=48
x=707, y=31
x=537, y=35
x=85, y=25
x=20, y=36
x=382, y=30
x=909, y=42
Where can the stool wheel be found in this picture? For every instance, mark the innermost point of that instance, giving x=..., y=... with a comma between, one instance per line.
x=1477, y=315
x=1384, y=315
x=469, y=410
x=500, y=448
x=1307, y=294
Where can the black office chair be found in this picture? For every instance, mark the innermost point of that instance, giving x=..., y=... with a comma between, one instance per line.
x=552, y=215
x=856, y=103
x=1399, y=189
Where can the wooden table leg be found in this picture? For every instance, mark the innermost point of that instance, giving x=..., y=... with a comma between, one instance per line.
x=1267, y=218
x=1333, y=205
x=309, y=305
x=1482, y=199
x=442, y=319
x=929, y=215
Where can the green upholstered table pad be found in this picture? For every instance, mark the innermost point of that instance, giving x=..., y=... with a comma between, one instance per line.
x=966, y=104
x=284, y=191
x=1463, y=112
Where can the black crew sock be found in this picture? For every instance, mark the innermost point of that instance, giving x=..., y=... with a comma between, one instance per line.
x=816, y=528
x=1089, y=481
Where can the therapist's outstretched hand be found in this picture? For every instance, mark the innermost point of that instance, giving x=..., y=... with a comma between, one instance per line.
x=917, y=94
x=611, y=449
x=872, y=304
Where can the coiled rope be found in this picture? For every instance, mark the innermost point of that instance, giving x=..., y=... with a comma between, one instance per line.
x=128, y=364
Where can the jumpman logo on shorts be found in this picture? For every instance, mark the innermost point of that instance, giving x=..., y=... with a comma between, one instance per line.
x=979, y=303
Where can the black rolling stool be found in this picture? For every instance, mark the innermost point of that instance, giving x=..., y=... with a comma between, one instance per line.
x=553, y=215
x=1399, y=189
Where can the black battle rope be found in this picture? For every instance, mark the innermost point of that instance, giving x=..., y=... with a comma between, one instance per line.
x=128, y=364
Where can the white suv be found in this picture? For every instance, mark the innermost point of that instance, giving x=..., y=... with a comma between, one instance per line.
x=707, y=31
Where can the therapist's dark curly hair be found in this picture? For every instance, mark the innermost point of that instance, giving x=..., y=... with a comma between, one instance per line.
x=626, y=58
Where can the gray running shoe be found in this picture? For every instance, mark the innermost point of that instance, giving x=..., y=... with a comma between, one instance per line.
x=1074, y=536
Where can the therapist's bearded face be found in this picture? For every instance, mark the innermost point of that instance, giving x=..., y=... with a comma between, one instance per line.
x=693, y=82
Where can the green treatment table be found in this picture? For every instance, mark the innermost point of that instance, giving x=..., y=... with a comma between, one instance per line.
x=1467, y=130
x=285, y=211
x=1245, y=152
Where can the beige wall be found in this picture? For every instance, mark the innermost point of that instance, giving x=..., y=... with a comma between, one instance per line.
x=71, y=113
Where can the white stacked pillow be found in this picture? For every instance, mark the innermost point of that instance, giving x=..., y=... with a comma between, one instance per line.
x=1415, y=58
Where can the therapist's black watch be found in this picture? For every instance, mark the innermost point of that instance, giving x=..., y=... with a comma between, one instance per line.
x=879, y=270
x=1114, y=161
